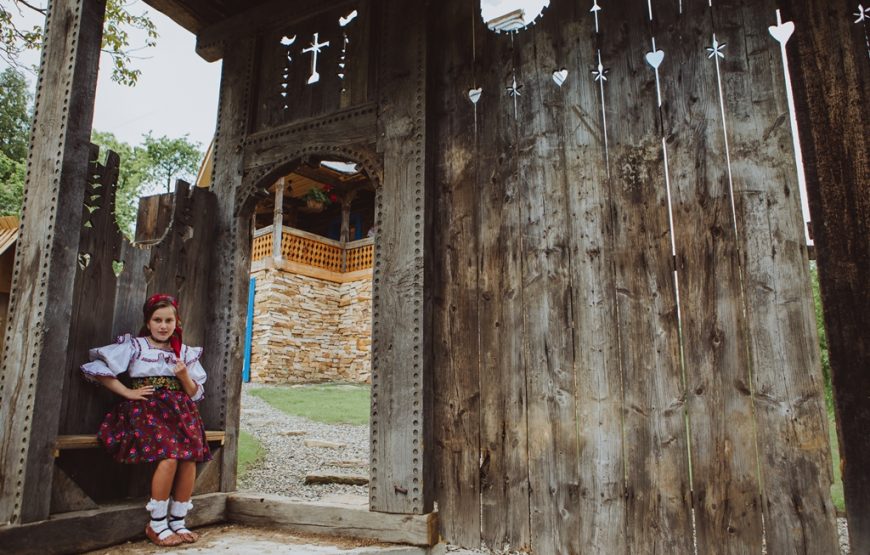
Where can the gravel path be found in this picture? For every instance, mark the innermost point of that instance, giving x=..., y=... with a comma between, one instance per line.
x=287, y=460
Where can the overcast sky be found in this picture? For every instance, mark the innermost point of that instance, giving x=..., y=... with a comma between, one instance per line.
x=176, y=93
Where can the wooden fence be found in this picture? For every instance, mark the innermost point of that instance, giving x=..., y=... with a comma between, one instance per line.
x=625, y=353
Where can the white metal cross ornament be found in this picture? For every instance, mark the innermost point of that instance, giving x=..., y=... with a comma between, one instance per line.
x=315, y=49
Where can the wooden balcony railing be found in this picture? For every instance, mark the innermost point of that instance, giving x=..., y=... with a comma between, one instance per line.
x=299, y=248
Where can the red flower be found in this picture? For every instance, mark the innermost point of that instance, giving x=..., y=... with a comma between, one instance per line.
x=327, y=188
x=333, y=197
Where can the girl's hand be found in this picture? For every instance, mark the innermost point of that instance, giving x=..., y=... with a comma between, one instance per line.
x=139, y=394
x=180, y=370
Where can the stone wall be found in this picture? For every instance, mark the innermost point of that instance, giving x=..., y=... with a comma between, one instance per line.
x=309, y=330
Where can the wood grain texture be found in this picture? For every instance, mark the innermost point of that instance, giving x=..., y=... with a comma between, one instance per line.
x=504, y=430
x=82, y=531
x=793, y=447
x=228, y=283
x=828, y=60
x=726, y=486
x=548, y=340
x=457, y=392
x=324, y=518
x=599, y=396
x=42, y=288
x=399, y=427
x=658, y=500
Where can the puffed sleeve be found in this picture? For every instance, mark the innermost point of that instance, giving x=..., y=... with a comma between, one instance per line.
x=195, y=370
x=110, y=360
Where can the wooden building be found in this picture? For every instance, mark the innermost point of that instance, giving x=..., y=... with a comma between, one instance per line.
x=592, y=321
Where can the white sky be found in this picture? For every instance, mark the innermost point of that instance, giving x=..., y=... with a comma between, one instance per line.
x=176, y=94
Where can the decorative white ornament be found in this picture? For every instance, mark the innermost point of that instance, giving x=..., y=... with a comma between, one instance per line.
x=560, y=75
x=863, y=14
x=343, y=21
x=716, y=49
x=315, y=48
x=287, y=41
x=595, y=9
x=474, y=94
x=84, y=260
x=654, y=59
x=782, y=31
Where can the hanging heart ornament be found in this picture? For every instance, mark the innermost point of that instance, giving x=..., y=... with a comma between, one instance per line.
x=655, y=58
x=782, y=32
x=559, y=76
x=474, y=94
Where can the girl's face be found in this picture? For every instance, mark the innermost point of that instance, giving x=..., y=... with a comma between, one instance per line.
x=161, y=325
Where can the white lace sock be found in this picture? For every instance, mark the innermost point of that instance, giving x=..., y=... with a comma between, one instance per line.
x=159, y=522
x=177, y=511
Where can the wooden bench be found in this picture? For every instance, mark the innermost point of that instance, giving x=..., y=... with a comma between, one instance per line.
x=91, y=441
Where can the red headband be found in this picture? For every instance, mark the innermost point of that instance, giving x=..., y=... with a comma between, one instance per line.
x=175, y=338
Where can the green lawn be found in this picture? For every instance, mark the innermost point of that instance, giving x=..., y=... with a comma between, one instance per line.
x=327, y=403
x=249, y=451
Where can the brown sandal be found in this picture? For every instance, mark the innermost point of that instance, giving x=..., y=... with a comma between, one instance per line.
x=176, y=524
x=171, y=540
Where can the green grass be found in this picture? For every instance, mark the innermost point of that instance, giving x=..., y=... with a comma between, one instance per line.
x=250, y=451
x=837, y=486
x=327, y=403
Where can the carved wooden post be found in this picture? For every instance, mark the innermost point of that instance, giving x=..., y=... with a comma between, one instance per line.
x=45, y=263
x=400, y=418
x=346, y=201
x=278, y=220
x=828, y=59
x=229, y=281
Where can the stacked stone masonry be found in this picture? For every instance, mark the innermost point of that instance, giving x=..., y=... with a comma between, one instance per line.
x=307, y=330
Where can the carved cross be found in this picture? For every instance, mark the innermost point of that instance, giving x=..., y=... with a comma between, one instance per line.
x=315, y=49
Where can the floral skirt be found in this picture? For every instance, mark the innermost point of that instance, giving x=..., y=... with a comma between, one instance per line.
x=165, y=426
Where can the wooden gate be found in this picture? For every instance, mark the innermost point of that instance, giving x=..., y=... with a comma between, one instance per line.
x=625, y=348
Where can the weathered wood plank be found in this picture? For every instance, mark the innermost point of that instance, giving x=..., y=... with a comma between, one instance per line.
x=400, y=425
x=228, y=283
x=45, y=262
x=82, y=531
x=726, y=488
x=333, y=519
x=599, y=398
x=333, y=478
x=793, y=445
x=457, y=394
x=545, y=259
x=456, y=397
x=503, y=397
x=831, y=100
x=656, y=454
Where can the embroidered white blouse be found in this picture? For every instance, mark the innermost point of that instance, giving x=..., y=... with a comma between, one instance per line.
x=141, y=359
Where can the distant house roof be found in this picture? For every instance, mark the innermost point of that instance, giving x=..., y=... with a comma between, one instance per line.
x=8, y=232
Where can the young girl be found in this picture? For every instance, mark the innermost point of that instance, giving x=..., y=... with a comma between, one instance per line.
x=158, y=420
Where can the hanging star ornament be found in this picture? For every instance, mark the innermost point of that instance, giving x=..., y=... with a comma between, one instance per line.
x=600, y=72
x=514, y=89
x=863, y=14
x=716, y=49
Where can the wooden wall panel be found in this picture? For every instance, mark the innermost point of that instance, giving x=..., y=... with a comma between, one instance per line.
x=503, y=426
x=829, y=64
x=789, y=402
x=42, y=289
x=457, y=391
x=545, y=260
x=726, y=488
x=599, y=382
x=656, y=451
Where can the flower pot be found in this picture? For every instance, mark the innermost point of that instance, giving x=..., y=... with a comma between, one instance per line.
x=314, y=205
